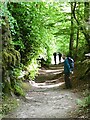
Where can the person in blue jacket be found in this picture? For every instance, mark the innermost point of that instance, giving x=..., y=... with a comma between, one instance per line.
x=67, y=71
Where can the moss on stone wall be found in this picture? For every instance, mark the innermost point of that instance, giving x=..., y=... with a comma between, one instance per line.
x=10, y=59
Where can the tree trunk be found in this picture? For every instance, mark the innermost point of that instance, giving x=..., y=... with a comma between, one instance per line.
x=87, y=21
x=77, y=40
x=85, y=28
x=72, y=33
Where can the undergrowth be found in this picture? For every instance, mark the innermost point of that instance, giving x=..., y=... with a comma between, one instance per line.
x=7, y=104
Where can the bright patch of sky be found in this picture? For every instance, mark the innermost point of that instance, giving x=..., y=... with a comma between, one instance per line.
x=66, y=8
x=58, y=23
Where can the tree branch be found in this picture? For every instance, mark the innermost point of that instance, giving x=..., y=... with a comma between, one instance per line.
x=82, y=28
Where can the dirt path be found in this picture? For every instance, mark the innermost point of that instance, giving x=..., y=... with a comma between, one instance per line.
x=55, y=102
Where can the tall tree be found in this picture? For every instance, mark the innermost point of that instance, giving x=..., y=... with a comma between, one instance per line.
x=84, y=27
x=77, y=37
x=72, y=32
x=87, y=20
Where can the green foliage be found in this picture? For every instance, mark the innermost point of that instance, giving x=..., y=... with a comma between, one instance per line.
x=31, y=39
x=83, y=69
x=16, y=82
x=8, y=104
x=32, y=68
x=85, y=102
x=16, y=72
x=18, y=89
x=35, y=29
x=10, y=59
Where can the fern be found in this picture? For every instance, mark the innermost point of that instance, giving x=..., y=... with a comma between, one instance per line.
x=85, y=102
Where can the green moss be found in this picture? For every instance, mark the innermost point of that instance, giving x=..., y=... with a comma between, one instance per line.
x=10, y=59
x=8, y=104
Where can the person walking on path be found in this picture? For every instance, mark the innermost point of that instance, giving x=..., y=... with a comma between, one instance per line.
x=60, y=55
x=67, y=71
x=55, y=54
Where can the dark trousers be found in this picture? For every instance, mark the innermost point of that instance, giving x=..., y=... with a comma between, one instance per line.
x=55, y=60
x=67, y=81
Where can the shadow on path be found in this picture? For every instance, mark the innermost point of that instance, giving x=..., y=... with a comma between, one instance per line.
x=47, y=102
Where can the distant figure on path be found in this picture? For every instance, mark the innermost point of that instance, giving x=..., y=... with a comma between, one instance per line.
x=67, y=71
x=60, y=55
x=55, y=54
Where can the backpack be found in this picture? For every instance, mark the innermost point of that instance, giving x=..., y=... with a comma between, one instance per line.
x=71, y=63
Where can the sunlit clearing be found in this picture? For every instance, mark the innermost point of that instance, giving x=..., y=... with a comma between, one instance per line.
x=57, y=60
x=62, y=60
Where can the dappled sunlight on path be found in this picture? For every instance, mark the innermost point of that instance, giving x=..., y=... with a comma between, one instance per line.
x=44, y=85
x=48, y=99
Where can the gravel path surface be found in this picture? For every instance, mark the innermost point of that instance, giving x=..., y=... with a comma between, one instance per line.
x=47, y=102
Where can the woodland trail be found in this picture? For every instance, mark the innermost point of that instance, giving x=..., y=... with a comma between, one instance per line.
x=55, y=102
